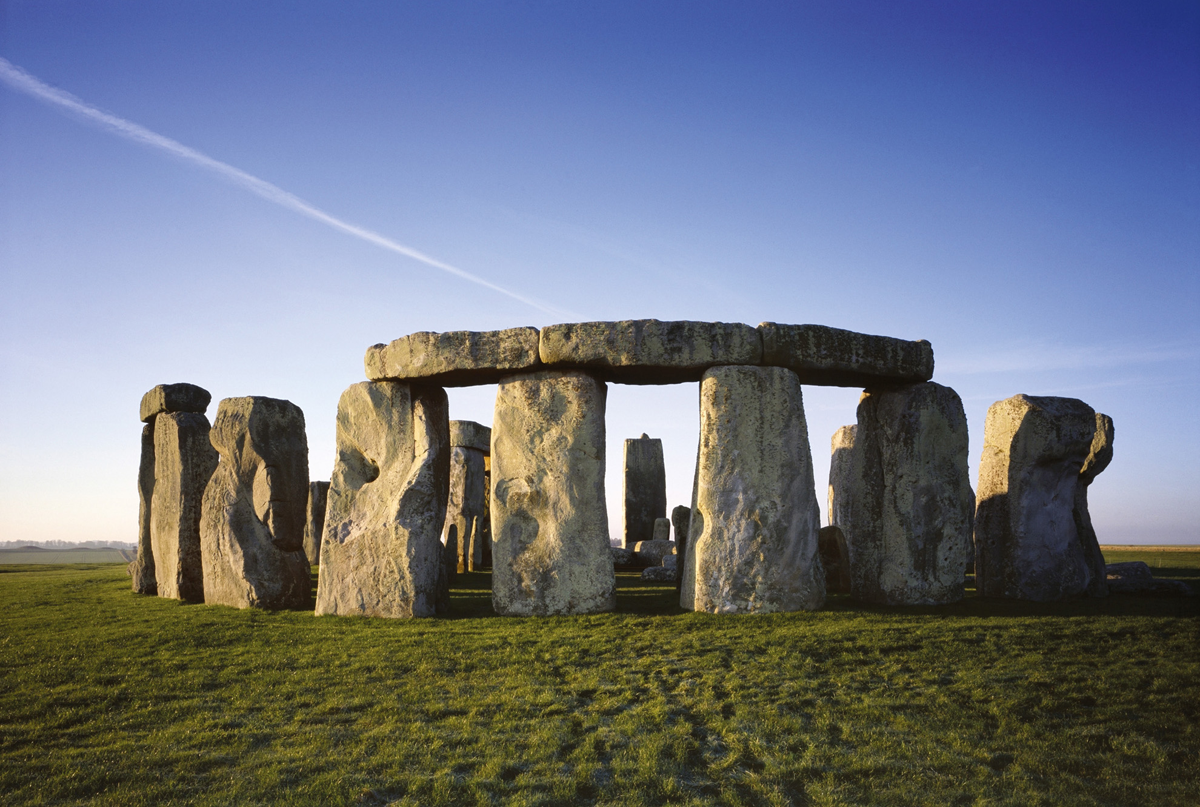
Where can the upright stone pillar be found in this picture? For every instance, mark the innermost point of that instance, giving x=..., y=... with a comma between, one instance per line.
x=680, y=519
x=470, y=445
x=183, y=462
x=142, y=569
x=382, y=552
x=1098, y=459
x=252, y=526
x=841, y=472
x=909, y=530
x=754, y=521
x=162, y=399
x=550, y=551
x=1027, y=541
x=645, y=488
x=314, y=523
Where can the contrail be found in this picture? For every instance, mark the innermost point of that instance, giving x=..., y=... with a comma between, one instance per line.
x=18, y=79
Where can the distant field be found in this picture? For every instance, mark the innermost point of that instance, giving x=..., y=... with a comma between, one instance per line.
x=60, y=556
x=107, y=697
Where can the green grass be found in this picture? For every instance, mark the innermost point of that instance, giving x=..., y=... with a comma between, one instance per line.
x=60, y=556
x=107, y=697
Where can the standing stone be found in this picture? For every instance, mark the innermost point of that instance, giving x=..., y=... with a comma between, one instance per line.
x=314, y=523
x=550, y=552
x=680, y=518
x=465, y=529
x=909, y=530
x=382, y=553
x=184, y=460
x=753, y=541
x=841, y=474
x=662, y=529
x=252, y=527
x=1027, y=543
x=1098, y=459
x=645, y=488
x=835, y=557
x=142, y=568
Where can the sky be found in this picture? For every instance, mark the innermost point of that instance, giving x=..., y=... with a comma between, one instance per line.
x=246, y=196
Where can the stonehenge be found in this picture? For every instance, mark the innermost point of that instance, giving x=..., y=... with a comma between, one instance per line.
x=228, y=515
x=381, y=554
x=644, y=488
x=253, y=514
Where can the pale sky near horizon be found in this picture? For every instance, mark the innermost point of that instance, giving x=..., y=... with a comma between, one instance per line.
x=1018, y=184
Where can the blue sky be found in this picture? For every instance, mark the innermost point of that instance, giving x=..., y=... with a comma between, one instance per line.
x=1019, y=183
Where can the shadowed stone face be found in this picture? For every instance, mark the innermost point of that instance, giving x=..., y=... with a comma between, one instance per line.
x=1098, y=459
x=381, y=554
x=550, y=550
x=1027, y=541
x=831, y=356
x=184, y=461
x=142, y=569
x=252, y=528
x=909, y=497
x=314, y=525
x=754, y=521
x=645, y=488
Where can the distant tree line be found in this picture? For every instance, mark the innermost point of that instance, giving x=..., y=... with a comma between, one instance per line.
x=56, y=544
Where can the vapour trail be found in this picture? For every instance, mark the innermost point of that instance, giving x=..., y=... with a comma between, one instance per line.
x=22, y=81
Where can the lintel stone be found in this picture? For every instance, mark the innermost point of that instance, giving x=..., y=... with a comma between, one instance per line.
x=833, y=357
x=454, y=358
x=174, y=398
x=469, y=434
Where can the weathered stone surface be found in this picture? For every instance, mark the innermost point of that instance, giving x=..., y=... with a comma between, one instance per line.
x=662, y=529
x=651, y=553
x=1027, y=544
x=466, y=507
x=671, y=562
x=753, y=540
x=647, y=351
x=841, y=474
x=550, y=551
x=382, y=553
x=835, y=557
x=455, y=358
x=184, y=461
x=174, y=398
x=252, y=525
x=658, y=574
x=1135, y=577
x=469, y=434
x=831, y=356
x=909, y=530
x=314, y=522
x=680, y=519
x=644, y=488
x=622, y=556
x=1098, y=459
x=142, y=568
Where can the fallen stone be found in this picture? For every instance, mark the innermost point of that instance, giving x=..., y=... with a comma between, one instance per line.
x=647, y=351
x=252, y=525
x=752, y=545
x=651, y=553
x=469, y=434
x=550, y=550
x=142, y=567
x=382, y=553
x=455, y=358
x=1027, y=544
x=1099, y=457
x=909, y=530
x=841, y=474
x=658, y=574
x=835, y=558
x=174, y=398
x=662, y=529
x=644, y=487
x=466, y=507
x=314, y=522
x=830, y=356
x=184, y=460
x=622, y=556
x=671, y=562
x=1135, y=577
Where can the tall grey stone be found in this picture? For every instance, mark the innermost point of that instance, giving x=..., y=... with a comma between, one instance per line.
x=1027, y=542
x=252, y=527
x=841, y=474
x=1099, y=457
x=550, y=552
x=754, y=522
x=382, y=553
x=142, y=568
x=314, y=522
x=909, y=531
x=680, y=519
x=466, y=506
x=645, y=488
x=835, y=557
x=184, y=461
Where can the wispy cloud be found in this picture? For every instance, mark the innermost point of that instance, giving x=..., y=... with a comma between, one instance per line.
x=22, y=81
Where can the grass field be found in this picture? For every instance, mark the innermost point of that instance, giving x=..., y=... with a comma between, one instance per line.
x=61, y=556
x=107, y=697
